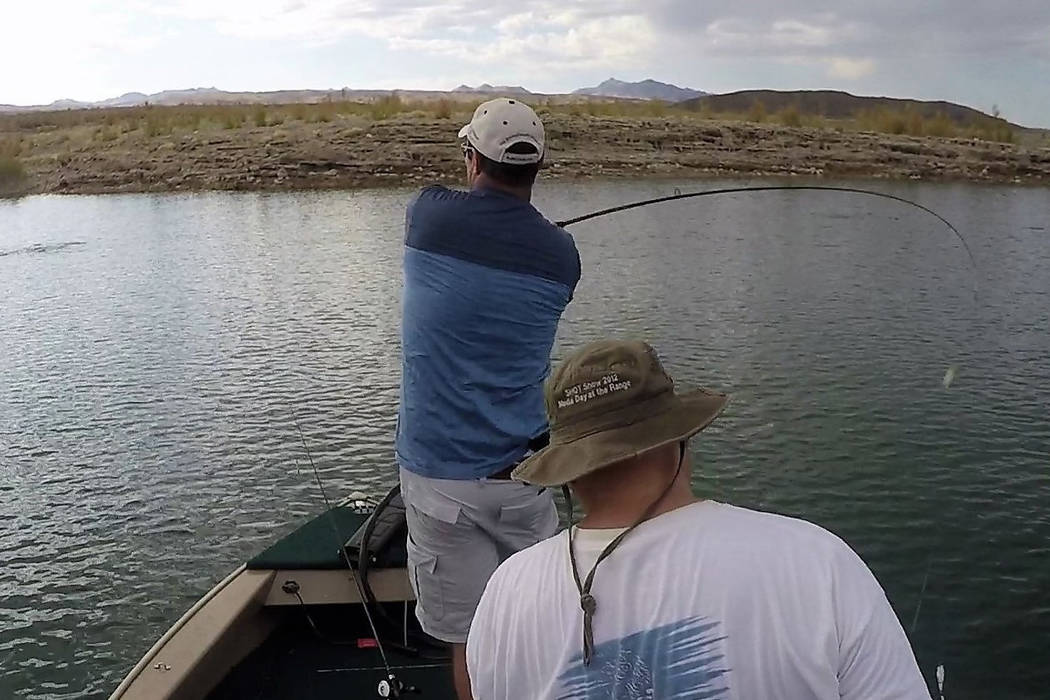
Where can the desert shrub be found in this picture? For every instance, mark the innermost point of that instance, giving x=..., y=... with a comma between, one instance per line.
x=14, y=179
x=387, y=107
x=789, y=116
x=443, y=109
x=757, y=113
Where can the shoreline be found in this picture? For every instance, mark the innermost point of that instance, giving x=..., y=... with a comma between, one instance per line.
x=413, y=149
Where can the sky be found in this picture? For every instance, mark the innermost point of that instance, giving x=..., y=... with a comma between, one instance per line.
x=982, y=53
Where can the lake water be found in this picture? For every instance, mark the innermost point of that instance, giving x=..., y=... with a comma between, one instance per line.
x=150, y=373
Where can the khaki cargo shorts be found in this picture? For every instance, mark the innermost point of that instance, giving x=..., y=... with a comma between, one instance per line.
x=458, y=533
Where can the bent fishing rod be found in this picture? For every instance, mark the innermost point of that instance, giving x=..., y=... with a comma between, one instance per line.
x=770, y=188
x=949, y=375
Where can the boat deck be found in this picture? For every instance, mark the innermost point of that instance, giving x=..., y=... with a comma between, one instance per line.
x=316, y=545
x=328, y=651
x=297, y=663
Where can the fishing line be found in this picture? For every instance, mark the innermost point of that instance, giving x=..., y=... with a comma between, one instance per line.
x=395, y=686
x=949, y=375
x=771, y=188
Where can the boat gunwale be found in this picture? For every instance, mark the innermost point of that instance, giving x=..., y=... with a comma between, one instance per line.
x=148, y=657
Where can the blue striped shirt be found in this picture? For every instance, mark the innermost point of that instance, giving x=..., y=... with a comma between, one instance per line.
x=486, y=281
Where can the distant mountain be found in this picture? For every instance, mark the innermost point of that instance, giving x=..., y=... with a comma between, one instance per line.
x=68, y=104
x=128, y=99
x=828, y=103
x=137, y=99
x=211, y=95
x=831, y=103
x=500, y=89
x=645, y=90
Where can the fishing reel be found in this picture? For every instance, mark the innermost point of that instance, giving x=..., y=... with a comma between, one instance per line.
x=391, y=687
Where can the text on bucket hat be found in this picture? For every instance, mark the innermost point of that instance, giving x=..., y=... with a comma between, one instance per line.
x=609, y=401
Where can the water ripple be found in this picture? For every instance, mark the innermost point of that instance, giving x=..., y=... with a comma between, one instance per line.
x=152, y=376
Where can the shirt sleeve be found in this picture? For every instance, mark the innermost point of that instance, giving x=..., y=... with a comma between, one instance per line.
x=577, y=264
x=481, y=642
x=419, y=211
x=579, y=271
x=875, y=658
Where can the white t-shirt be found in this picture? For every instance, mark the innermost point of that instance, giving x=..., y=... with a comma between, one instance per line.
x=706, y=601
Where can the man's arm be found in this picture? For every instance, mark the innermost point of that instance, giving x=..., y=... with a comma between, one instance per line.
x=579, y=271
x=577, y=265
x=875, y=658
x=420, y=208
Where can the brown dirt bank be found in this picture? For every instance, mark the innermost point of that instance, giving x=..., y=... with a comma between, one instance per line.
x=354, y=151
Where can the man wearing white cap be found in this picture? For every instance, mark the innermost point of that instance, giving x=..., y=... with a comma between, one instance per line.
x=486, y=278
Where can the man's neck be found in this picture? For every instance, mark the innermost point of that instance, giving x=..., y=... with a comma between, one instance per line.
x=483, y=182
x=623, y=509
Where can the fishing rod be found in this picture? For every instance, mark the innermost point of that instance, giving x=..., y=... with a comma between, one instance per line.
x=390, y=687
x=772, y=188
x=949, y=375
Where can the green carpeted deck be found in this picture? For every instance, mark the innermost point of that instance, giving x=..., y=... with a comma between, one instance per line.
x=314, y=545
x=325, y=652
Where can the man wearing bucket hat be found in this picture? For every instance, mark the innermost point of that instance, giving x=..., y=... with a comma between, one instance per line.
x=657, y=594
x=486, y=279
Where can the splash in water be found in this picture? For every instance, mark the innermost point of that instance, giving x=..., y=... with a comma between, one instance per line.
x=41, y=248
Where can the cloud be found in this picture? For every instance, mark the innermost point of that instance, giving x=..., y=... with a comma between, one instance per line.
x=848, y=38
x=580, y=33
x=782, y=36
x=69, y=45
x=947, y=23
x=91, y=26
x=851, y=29
x=556, y=41
x=590, y=43
x=850, y=68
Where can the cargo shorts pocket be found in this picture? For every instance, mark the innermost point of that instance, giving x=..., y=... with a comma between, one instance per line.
x=430, y=600
x=532, y=512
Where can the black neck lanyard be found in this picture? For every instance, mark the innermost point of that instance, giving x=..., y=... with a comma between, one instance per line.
x=587, y=601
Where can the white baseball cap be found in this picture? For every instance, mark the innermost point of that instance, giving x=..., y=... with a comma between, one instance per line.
x=501, y=123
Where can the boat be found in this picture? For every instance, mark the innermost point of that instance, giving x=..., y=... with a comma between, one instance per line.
x=324, y=612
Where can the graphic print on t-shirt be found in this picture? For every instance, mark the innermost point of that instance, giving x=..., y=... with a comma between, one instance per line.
x=679, y=661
